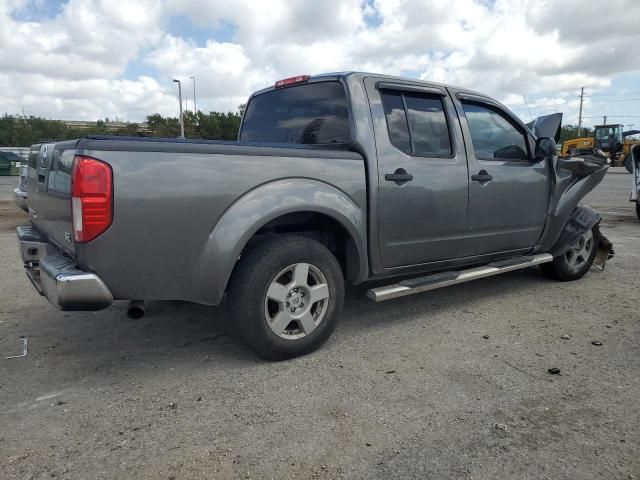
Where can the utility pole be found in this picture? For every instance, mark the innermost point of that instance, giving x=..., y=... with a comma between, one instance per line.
x=604, y=119
x=180, y=101
x=580, y=114
x=193, y=78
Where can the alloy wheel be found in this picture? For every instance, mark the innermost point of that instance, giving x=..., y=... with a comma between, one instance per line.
x=296, y=301
x=578, y=255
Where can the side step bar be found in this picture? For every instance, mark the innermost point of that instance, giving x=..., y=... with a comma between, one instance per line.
x=444, y=279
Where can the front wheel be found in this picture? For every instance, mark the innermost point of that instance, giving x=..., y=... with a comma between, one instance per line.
x=285, y=296
x=575, y=262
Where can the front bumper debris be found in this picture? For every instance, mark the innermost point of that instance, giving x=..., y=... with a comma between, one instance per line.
x=604, y=251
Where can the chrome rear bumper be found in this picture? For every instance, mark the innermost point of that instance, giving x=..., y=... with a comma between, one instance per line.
x=57, y=276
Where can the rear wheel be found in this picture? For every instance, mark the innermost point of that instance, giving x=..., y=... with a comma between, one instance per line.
x=638, y=209
x=285, y=296
x=575, y=262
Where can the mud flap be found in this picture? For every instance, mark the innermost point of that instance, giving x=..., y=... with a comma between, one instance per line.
x=583, y=218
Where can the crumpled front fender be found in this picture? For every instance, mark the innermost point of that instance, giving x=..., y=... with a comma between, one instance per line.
x=582, y=219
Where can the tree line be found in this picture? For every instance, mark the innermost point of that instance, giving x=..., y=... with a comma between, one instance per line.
x=24, y=131
x=567, y=132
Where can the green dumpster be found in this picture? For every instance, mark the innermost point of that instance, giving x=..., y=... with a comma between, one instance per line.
x=10, y=163
x=14, y=169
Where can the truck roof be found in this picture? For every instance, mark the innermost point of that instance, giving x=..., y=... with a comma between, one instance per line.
x=359, y=74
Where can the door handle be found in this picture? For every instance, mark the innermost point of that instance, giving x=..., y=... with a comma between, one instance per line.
x=482, y=176
x=400, y=176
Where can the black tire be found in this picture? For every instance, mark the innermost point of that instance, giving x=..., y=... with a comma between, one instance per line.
x=256, y=272
x=561, y=269
x=627, y=163
x=638, y=209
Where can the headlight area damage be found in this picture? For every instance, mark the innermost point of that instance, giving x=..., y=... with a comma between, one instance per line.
x=575, y=176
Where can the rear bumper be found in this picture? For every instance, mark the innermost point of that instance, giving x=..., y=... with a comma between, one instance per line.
x=57, y=276
x=20, y=197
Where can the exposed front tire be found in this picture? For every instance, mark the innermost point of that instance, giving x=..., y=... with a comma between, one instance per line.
x=575, y=262
x=285, y=296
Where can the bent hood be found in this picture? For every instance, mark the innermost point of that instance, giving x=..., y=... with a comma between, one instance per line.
x=547, y=126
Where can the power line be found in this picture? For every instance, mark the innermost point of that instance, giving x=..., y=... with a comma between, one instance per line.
x=611, y=94
x=614, y=116
x=616, y=100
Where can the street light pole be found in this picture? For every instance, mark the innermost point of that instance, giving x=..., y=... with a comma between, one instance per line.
x=195, y=110
x=180, y=100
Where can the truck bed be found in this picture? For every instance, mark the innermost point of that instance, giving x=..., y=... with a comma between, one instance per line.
x=168, y=197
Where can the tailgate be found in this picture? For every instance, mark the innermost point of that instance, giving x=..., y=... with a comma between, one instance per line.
x=48, y=187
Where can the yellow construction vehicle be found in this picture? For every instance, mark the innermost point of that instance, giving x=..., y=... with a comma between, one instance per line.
x=615, y=143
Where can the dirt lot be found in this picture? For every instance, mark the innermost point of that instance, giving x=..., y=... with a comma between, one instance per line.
x=404, y=389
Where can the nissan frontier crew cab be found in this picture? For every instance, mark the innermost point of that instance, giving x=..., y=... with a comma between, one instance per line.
x=337, y=178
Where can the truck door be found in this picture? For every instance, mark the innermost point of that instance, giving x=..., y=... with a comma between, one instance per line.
x=508, y=188
x=422, y=173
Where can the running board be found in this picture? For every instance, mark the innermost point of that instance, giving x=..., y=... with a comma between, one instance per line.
x=444, y=279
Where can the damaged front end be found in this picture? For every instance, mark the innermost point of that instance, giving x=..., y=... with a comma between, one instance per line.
x=572, y=178
x=582, y=219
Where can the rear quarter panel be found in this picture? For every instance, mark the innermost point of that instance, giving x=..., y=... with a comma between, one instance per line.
x=167, y=206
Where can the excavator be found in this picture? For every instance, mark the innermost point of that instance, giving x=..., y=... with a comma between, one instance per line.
x=611, y=139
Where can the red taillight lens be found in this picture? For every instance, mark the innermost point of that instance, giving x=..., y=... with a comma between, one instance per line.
x=91, y=198
x=292, y=81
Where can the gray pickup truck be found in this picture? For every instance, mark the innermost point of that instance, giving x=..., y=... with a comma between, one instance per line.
x=339, y=177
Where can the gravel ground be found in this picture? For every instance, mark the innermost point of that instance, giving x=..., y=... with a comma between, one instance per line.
x=410, y=388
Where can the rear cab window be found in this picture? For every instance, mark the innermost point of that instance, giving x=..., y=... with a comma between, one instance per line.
x=417, y=123
x=312, y=113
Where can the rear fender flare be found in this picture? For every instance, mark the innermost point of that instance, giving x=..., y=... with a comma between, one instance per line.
x=258, y=207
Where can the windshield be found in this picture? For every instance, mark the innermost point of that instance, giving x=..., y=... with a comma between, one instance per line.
x=313, y=113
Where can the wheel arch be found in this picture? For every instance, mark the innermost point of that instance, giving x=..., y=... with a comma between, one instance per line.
x=276, y=208
x=582, y=218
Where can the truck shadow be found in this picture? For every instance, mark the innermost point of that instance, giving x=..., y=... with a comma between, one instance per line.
x=178, y=335
x=360, y=312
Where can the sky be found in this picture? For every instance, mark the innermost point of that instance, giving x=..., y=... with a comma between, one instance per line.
x=93, y=59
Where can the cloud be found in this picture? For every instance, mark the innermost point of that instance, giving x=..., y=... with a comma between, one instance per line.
x=73, y=64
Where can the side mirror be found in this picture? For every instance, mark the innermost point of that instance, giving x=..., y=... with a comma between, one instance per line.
x=545, y=148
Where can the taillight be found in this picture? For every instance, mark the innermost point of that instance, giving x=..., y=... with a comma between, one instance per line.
x=91, y=198
x=292, y=81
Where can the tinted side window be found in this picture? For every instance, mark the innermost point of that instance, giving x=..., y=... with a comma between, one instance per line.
x=417, y=123
x=313, y=113
x=396, y=120
x=494, y=136
x=428, y=125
